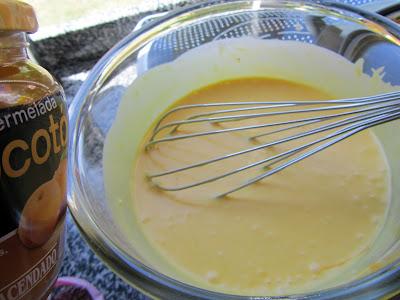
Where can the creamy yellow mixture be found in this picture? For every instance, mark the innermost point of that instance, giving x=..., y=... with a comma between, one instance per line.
x=275, y=236
x=312, y=226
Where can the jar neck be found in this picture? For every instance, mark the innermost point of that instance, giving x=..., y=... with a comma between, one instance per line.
x=13, y=47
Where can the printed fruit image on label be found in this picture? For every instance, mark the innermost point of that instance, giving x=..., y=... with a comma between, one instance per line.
x=33, y=160
x=40, y=214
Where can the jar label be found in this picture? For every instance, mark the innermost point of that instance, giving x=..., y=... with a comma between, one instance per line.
x=33, y=159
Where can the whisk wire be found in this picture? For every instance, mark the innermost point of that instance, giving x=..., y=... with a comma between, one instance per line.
x=359, y=114
x=270, y=144
x=369, y=99
x=192, y=120
x=270, y=159
x=310, y=153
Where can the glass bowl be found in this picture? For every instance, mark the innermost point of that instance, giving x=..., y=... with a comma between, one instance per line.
x=349, y=31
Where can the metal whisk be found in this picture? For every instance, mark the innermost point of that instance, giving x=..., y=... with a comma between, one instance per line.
x=335, y=119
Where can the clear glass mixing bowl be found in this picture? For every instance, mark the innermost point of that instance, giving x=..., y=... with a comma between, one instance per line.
x=349, y=31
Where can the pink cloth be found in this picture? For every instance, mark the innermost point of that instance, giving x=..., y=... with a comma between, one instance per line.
x=79, y=283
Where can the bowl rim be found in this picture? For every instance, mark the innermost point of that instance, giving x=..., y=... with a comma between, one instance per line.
x=134, y=272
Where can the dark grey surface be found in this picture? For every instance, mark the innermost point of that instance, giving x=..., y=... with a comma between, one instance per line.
x=80, y=261
x=73, y=51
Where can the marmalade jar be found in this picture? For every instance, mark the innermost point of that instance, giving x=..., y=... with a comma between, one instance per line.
x=33, y=159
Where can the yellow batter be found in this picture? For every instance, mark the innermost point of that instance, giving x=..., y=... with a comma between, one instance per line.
x=313, y=226
x=275, y=236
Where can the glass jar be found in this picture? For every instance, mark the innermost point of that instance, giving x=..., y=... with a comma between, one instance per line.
x=33, y=157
